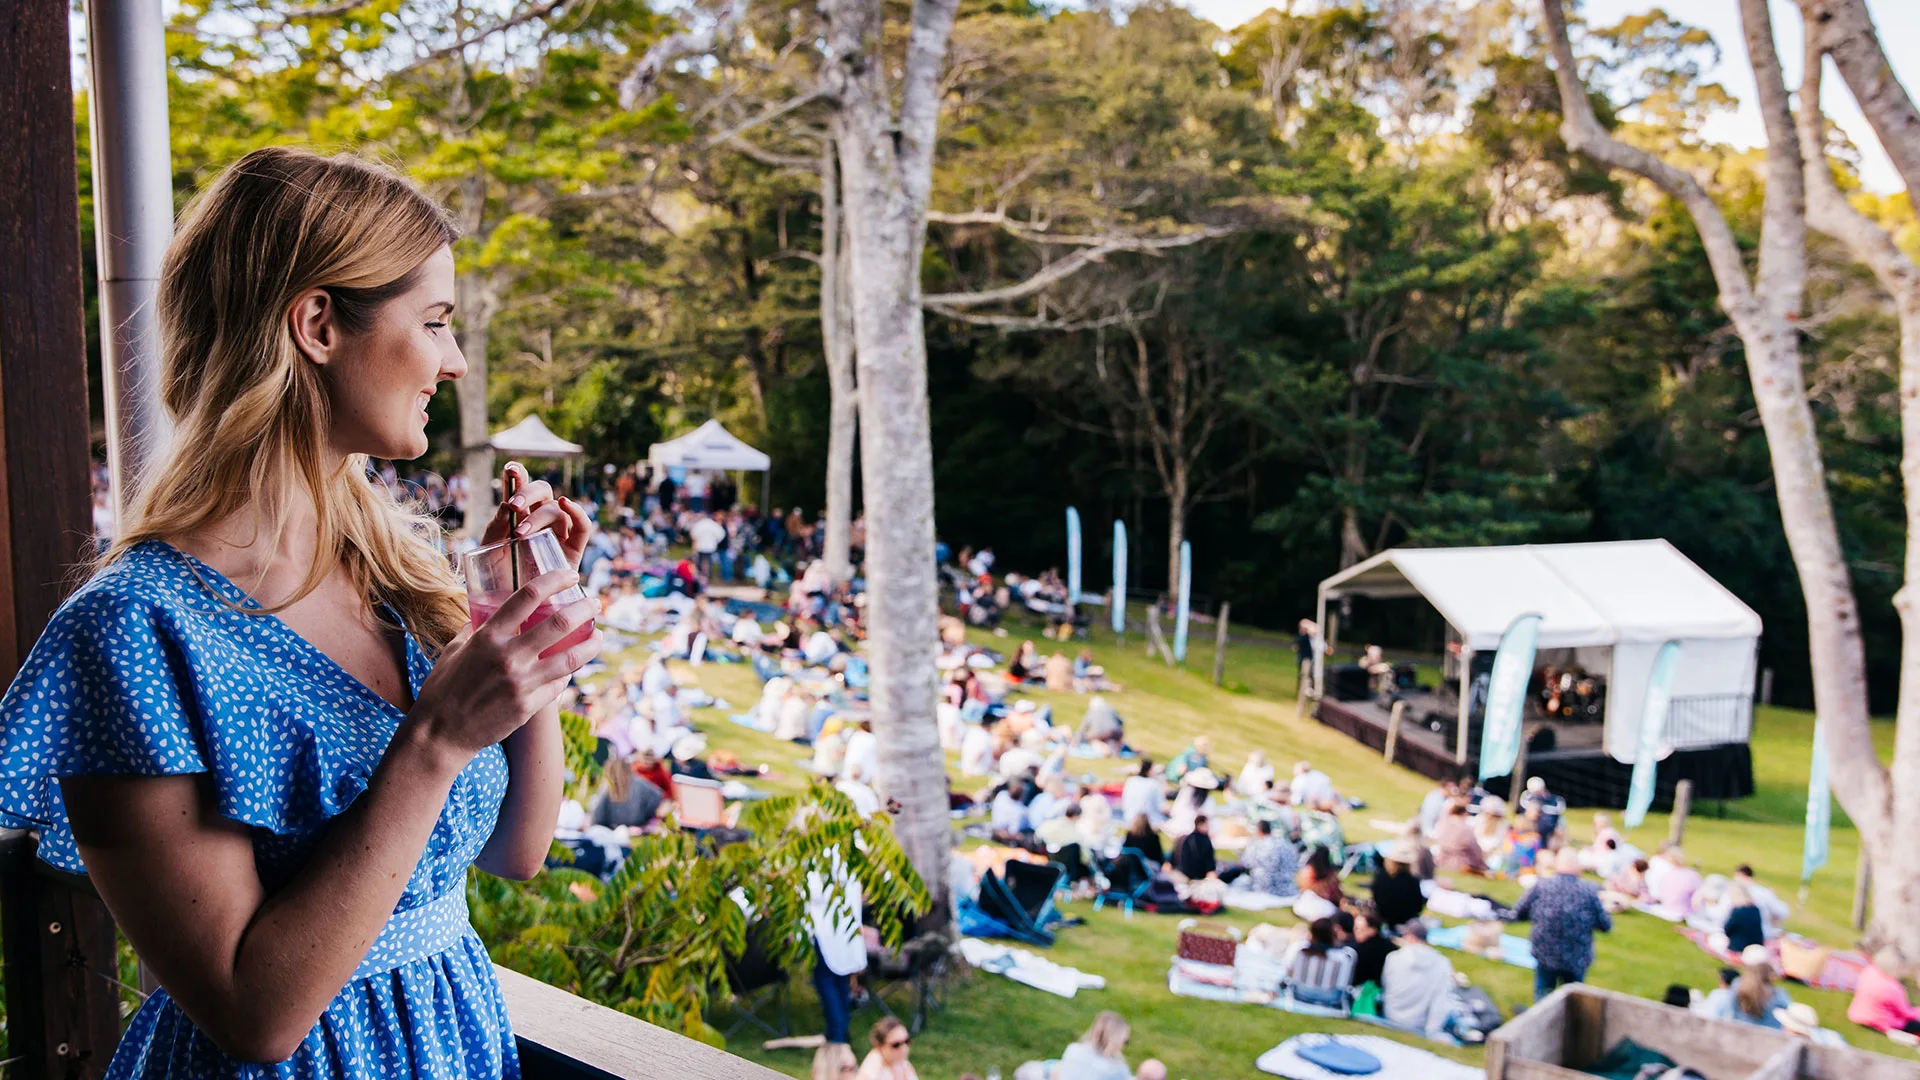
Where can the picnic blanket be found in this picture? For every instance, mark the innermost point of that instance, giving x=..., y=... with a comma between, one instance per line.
x=1841, y=973
x=1189, y=979
x=1517, y=951
x=1027, y=968
x=1249, y=900
x=1398, y=1061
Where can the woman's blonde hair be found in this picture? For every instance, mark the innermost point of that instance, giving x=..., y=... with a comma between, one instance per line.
x=1108, y=1035
x=832, y=1060
x=250, y=412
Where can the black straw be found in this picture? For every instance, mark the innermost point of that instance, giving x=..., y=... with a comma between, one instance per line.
x=513, y=531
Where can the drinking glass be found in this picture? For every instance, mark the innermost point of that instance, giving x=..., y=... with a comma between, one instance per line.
x=490, y=570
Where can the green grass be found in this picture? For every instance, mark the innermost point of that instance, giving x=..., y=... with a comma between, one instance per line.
x=991, y=1022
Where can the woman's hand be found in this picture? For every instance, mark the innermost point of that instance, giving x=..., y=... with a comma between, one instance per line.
x=534, y=501
x=492, y=679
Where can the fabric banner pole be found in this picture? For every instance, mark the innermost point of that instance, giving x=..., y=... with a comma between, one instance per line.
x=1653, y=732
x=1819, y=809
x=1119, y=577
x=1073, y=558
x=1507, y=697
x=1182, y=612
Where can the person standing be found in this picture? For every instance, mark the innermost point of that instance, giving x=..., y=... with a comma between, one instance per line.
x=1565, y=912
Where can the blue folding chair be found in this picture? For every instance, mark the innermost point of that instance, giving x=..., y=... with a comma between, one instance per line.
x=1126, y=880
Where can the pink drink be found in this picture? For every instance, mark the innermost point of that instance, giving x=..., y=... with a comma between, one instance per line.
x=483, y=612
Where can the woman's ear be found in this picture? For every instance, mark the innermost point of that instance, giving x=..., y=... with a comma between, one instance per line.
x=310, y=321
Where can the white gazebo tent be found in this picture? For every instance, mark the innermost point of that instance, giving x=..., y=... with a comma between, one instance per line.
x=531, y=438
x=1613, y=605
x=712, y=448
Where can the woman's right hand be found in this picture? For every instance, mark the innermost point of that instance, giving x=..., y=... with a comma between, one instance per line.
x=491, y=679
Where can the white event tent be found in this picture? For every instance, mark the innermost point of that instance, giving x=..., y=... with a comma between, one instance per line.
x=712, y=448
x=532, y=438
x=1610, y=605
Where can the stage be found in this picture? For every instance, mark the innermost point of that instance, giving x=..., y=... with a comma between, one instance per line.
x=1576, y=768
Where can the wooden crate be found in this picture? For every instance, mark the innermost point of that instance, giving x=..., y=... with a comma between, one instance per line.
x=1574, y=1025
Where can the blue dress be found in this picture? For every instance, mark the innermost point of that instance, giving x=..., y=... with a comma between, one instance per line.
x=147, y=671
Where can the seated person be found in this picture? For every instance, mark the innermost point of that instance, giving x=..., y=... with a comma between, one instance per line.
x=1457, y=850
x=1719, y=1000
x=1755, y=997
x=1059, y=831
x=1144, y=838
x=1143, y=793
x=1193, y=857
x=977, y=757
x=1026, y=664
x=1773, y=910
x=1880, y=1002
x=1626, y=888
x=1417, y=985
x=1370, y=946
x=1099, y=1055
x=1675, y=888
x=1088, y=676
x=1743, y=925
x=629, y=803
x=1271, y=862
x=1101, y=727
x=1396, y=892
x=1186, y=761
x=1319, y=970
x=1320, y=827
x=1009, y=820
x=1523, y=843
x=1320, y=877
x=1256, y=777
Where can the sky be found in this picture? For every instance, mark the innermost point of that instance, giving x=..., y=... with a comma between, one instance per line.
x=1898, y=22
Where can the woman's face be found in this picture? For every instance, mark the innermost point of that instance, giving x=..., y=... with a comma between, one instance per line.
x=378, y=382
x=895, y=1049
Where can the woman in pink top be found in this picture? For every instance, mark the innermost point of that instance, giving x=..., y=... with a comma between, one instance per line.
x=1880, y=1002
x=1676, y=887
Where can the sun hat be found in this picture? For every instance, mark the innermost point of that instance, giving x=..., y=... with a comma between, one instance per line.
x=1402, y=852
x=688, y=747
x=1023, y=705
x=1536, y=785
x=1756, y=956
x=1202, y=778
x=1798, y=1018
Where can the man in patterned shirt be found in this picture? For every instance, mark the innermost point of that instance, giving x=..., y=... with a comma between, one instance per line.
x=1565, y=912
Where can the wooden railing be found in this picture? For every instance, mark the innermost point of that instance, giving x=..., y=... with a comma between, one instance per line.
x=63, y=997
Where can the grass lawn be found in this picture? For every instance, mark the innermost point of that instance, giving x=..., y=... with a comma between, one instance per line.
x=991, y=1022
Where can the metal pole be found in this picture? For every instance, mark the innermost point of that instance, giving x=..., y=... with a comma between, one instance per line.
x=1466, y=712
x=133, y=221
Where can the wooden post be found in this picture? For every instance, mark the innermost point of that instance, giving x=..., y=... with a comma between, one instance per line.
x=1220, y=643
x=1862, y=888
x=63, y=1016
x=1394, y=717
x=1682, y=804
x=1766, y=686
x=1465, y=711
x=1156, y=640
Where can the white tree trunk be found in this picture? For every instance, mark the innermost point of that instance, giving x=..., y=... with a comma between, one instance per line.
x=837, y=335
x=887, y=170
x=479, y=299
x=1844, y=30
x=1764, y=317
x=1176, y=528
x=1896, y=865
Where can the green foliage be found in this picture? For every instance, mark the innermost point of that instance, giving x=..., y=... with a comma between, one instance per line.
x=653, y=941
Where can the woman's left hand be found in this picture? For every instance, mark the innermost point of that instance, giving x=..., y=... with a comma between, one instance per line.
x=538, y=508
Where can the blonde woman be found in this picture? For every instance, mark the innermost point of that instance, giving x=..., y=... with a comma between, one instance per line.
x=835, y=1061
x=263, y=728
x=1101, y=1054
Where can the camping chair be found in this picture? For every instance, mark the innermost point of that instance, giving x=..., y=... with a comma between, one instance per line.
x=998, y=902
x=1072, y=861
x=757, y=983
x=698, y=804
x=1034, y=886
x=918, y=971
x=1127, y=878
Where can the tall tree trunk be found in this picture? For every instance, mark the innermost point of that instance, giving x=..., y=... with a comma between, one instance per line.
x=1176, y=525
x=1845, y=32
x=887, y=165
x=1763, y=314
x=836, y=332
x=478, y=296
x=1896, y=864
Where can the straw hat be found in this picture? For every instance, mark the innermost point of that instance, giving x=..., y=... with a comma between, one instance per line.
x=1202, y=778
x=1402, y=852
x=1798, y=1018
x=1023, y=705
x=688, y=747
x=1756, y=956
